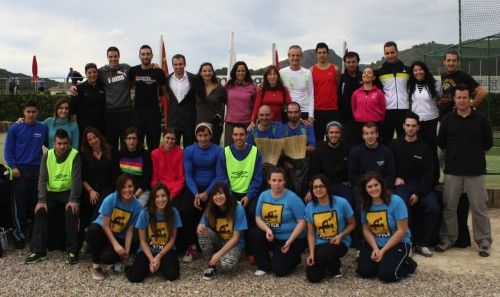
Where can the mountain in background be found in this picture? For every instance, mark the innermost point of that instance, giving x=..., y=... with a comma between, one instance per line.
x=4, y=74
x=409, y=56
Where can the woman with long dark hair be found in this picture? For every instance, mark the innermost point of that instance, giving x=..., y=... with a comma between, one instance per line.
x=97, y=168
x=330, y=220
x=387, y=244
x=219, y=231
x=210, y=100
x=273, y=93
x=240, y=100
x=157, y=226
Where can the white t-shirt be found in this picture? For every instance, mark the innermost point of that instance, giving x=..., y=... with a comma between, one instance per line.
x=300, y=85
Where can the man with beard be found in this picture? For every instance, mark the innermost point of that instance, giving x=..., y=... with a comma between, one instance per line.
x=265, y=128
x=330, y=159
x=148, y=81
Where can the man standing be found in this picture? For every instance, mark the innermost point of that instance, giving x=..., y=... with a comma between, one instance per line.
x=23, y=152
x=59, y=185
x=414, y=181
x=325, y=79
x=465, y=167
x=114, y=78
x=453, y=77
x=148, y=81
x=393, y=76
x=349, y=82
x=182, y=101
x=299, y=83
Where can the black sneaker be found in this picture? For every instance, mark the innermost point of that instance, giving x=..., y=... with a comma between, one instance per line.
x=19, y=244
x=209, y=273
x=337, y=274
x=35, y=257
x=484, y=251
x=71, y=258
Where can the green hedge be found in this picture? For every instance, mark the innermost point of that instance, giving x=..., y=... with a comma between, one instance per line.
x=11, y=106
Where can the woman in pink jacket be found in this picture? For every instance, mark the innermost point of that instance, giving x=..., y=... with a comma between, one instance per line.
x=368, y=102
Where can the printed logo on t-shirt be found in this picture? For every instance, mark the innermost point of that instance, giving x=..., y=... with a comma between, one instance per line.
x=146, y=79
x=224, y=228
x=381, y=163
x=158, y=239
x=447, y=86
x=119, y=220
x=326, y=224
x=37, y=135
x=272, y=214
x=378, y=223
x=239, y=174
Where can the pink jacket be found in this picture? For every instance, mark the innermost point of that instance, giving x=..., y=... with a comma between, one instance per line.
x=368, y=106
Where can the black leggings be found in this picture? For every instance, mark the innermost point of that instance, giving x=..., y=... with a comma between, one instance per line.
x=100, y=248
x=393, y=266
x=326, y=257
x=169, y=267
x=282, y=264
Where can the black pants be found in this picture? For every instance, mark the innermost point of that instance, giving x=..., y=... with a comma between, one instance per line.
x=169, y=267
x=393, y=121
x=391, y=268
x=428, y=134
x=89, y=212
x=321, y=119
x=186, y=235
x=148, y=123
x=282, y=264
x=115, y=124
x=186, y=132
x=24, y=198
x=326, y=258
x=350, y=134
x=40, y=229
x=250, y=214
x=100, y=248
x=5, y=204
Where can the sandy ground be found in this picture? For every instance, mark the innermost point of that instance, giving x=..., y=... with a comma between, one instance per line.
x=457, y=272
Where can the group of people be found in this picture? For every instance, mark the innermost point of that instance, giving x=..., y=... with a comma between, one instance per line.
x=309, y=161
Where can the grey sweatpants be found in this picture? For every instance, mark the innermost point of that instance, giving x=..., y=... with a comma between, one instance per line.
x=476, y=192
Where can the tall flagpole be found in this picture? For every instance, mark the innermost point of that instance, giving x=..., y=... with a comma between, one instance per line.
x=232, y=56
x=273, y=56
x=344, y=48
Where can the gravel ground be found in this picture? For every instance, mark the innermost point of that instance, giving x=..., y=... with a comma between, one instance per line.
x=457, y=272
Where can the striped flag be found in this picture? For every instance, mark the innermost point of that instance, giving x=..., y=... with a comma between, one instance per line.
x=164, y=67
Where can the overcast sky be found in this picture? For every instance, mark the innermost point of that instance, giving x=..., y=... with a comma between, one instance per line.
x=73, y=32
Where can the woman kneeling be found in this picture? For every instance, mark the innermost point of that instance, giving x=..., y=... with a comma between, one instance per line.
x=157, y=225
x=386, y=248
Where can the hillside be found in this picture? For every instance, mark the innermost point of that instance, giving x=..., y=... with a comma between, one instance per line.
x=410, y=55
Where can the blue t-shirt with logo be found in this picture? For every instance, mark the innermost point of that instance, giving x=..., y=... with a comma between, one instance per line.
x=224, y=227
x=329, y=219
x=382, y=219
x=122, y=215
x=157, y=237
x=281, y=214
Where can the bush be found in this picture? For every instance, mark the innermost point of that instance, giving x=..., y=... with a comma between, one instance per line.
x=11, y=106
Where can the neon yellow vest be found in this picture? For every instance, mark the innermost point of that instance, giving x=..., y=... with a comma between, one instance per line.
x=240, y=173
x=59, y=174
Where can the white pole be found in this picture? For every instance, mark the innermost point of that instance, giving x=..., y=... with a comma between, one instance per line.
x=344, y=47
x=273, y=56
x=232, y=56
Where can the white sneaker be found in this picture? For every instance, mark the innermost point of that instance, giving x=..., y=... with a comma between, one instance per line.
x=259, y=272
x=118, y=267
x=424, y=251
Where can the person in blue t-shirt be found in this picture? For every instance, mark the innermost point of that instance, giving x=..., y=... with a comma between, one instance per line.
x=219, y=231
x=387, y=244
x=330, y=220
x=280, y=224
x=109, y=237
x=157, y=225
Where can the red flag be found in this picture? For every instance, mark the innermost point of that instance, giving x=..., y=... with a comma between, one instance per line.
x=277, y=62
x=34, y=70
x=164, y=67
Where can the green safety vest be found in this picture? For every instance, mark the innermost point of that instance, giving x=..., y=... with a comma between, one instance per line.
x=240, y=173
x=59, y=174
